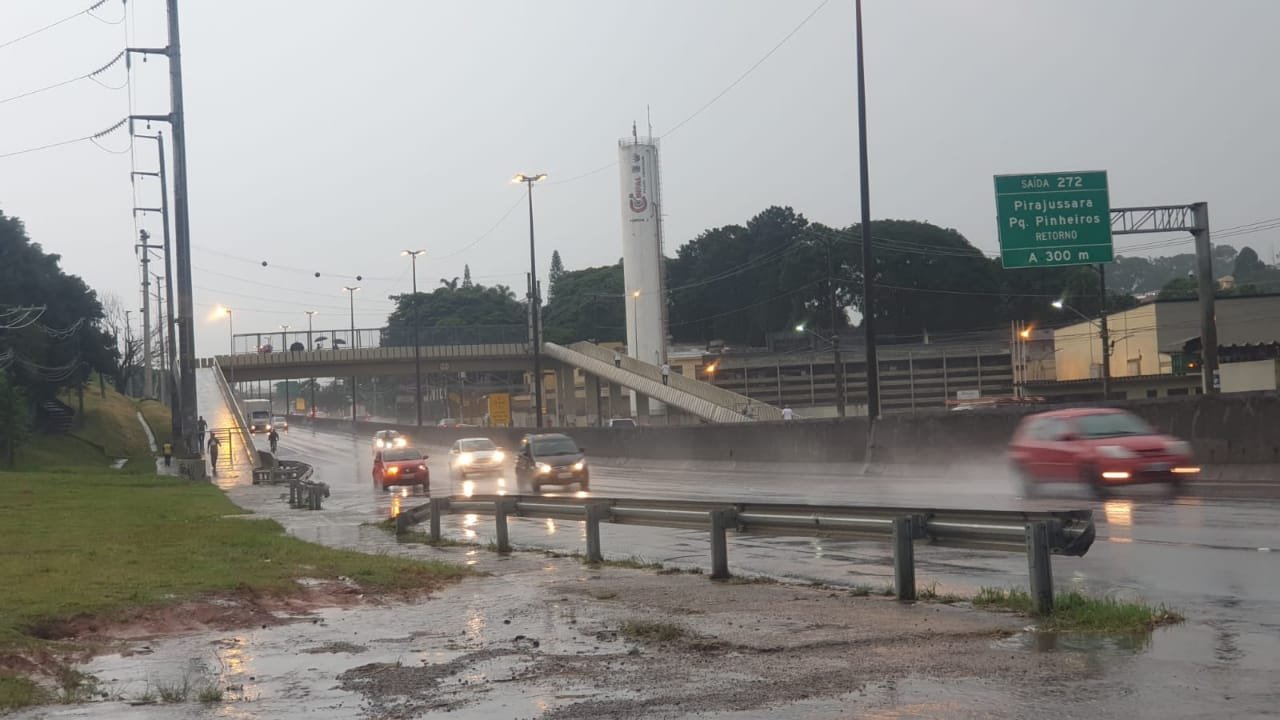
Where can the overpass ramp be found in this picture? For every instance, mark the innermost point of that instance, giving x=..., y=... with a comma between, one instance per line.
x=695, y=397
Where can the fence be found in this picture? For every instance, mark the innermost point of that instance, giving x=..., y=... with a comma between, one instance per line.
x=1038, y=534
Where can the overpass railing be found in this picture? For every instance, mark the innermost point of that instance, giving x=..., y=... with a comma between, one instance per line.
x=298, y=340
x=1038, y=534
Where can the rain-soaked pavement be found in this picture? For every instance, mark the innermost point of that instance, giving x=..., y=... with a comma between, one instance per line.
x=1210, y=559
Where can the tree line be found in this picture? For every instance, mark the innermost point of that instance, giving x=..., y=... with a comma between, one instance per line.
x=739, y=283
x=53, y=333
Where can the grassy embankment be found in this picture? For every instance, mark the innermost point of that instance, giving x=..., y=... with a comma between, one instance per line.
x=78, y=539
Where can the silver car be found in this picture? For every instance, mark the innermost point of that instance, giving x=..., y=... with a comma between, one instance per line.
x=475, y=455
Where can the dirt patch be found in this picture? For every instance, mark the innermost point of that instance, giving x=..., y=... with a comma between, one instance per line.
x=335, y=647
x=240, y=608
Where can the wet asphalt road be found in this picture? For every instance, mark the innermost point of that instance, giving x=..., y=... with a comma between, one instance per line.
x=1217, y=561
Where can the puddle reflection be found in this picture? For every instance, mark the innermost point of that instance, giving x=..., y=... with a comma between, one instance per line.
x=551, y=526
x=468, y=526
x=468, y=488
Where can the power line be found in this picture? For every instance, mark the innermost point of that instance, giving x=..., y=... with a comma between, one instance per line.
x=749, y=70
x=55, y=24
x=87, y=76
x=519, y=201
x=93, y=137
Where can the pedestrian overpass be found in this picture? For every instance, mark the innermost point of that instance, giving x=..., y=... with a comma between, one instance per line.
x=599, y=366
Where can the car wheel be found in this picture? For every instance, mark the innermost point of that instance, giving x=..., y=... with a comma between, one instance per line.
x=1093, y=479
x=1030, y=488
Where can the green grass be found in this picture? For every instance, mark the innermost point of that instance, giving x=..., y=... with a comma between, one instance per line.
x=652, y=631
x=17, y=692
x=98, y=542
x=107, y=429
x=1073, y=611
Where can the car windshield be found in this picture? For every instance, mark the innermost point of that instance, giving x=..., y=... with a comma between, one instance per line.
x=387, y=435
x=555, y=446
x=259, y=414
x=1111, y=425
x=401, y=454
x=477, y=445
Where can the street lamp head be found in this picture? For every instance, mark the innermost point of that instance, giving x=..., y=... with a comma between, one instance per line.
x=412, y=253
x=350, y=289
x=223, y=311
x=1059, y=303
x=800, y=328
x=635, y=294
x=309, y=312
x=1025, y=333
x=522, y=178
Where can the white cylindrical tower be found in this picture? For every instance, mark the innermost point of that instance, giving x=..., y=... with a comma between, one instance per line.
x=642, y=261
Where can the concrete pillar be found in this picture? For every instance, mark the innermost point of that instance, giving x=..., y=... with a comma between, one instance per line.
x=593, y=400
x=617, y=408
x=642, y=408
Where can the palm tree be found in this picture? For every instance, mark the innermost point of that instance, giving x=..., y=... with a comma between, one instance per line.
x=451, y=284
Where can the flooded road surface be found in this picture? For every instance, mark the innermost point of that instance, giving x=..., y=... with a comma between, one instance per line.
x=1216, y=561
x=1205, y=558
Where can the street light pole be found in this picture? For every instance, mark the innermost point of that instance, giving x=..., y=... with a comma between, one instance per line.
x=838, y=368
x=535, y=309
x=351, y=296
x=1106, y=337
x=868, y=259
x=1102, y=333
x=417, y=345
x=311, y=346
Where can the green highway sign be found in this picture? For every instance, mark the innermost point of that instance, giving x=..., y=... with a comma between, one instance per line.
x=1054, y=219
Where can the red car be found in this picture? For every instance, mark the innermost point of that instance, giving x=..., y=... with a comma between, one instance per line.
x=1100, y=447
x=400, y=466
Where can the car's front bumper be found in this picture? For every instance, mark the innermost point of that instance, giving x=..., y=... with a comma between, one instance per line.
x=1137, y=471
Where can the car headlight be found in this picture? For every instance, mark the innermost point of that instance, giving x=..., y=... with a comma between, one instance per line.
x=401, y=442
x=1116, y=452
x=544, y=468
x=393, y=470
x=379, y=443
x=1178, y=447
x=466, y=458
x=578, y=466
x=499, y=456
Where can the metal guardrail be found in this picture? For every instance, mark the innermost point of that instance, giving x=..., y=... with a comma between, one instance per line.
x=229, y=398
x=1038, y=534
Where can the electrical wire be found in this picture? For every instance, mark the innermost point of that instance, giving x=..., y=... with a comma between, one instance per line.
x=486, y=233
x=93, y=137
x=748, y=71
x=87, y=76
x=55, y=24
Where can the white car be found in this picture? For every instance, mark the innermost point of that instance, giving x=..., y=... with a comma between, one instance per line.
x=475, y=455
x=388, y=439
x=280, y=422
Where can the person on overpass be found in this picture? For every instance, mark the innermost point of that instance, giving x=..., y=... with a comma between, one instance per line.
x=666, y=374
x=201, y=427
x=215, y=446
x=787, y=413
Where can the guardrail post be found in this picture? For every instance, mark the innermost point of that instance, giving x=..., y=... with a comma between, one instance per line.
x=1040, y=567
x=293, y=494
x=438, y=507
x=720, y=522
x=501, y=508
x=904, y=559
x=595, y=512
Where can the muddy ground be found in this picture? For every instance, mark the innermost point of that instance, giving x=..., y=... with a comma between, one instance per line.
x=549, y=637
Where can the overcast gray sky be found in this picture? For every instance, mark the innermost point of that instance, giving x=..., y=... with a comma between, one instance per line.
x=328, y=136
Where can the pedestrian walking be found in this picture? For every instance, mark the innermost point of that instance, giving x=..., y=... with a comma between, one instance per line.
x=787, y=413
x=214, y=447
x=617, y=359
x=201, y=427
x=168, y=454
x=666, y=374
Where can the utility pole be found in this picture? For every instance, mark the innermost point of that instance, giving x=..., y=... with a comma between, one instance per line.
x=868, y=258
x=535, y=301
x=182, y=226
x=351, y=295
x=311, y=346
x=417, y=344
x=1210, y=382
x=837, y=364
x=171, y=379
x=148, y=384
x=1106, y=337
x=163, y=385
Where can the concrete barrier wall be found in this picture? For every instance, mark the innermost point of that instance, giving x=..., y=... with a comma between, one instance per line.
x=1225, y=429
